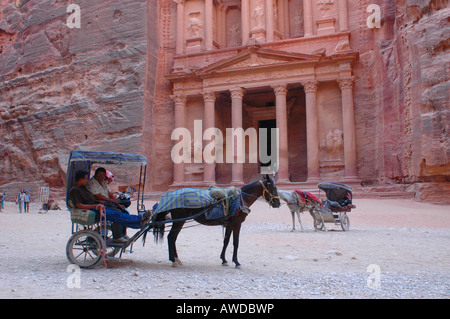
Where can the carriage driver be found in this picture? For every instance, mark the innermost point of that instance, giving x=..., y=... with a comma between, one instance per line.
x=83, y=199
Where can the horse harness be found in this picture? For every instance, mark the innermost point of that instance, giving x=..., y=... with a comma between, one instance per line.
x=266, y=191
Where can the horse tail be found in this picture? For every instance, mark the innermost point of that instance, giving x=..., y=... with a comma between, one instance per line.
x=159, y=227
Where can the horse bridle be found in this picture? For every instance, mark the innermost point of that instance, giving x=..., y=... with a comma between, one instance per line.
x=266, y=191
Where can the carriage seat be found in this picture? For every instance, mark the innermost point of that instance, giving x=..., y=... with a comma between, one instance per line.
x=82, y=216
x=332, y=204
x=336, y=207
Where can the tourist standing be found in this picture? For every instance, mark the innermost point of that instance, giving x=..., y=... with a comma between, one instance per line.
x=20, y=200
x=3, y=199
x=27, y=200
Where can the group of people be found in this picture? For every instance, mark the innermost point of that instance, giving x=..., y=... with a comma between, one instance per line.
x=23, y=200
x=95, y=194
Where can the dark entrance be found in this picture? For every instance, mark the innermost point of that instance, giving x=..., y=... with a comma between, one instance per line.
x=268, y=125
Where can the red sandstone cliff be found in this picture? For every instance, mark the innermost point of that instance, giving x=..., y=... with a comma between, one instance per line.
x=403, y=71
x=63, y=88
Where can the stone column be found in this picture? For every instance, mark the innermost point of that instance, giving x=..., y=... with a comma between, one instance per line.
x=209, y=169
x=269, y=20
x=348, y=115
x=343, y=16
x=180, y=107
x=236, y=122
x=245, y=20
x=180, y=26
x=221, y=25
x=286, y=20
x=308, y=17
x=208, y=25
x=312, y=130
x=281, y=114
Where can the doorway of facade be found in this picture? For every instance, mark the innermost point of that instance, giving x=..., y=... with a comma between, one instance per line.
x=268, y=125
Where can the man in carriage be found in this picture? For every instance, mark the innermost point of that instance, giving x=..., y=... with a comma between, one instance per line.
x=82, y=198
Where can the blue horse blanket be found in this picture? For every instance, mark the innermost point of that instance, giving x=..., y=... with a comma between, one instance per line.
x=195, y=198
x=184, y=198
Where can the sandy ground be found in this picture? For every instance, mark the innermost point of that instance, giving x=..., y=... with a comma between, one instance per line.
x=394, y=249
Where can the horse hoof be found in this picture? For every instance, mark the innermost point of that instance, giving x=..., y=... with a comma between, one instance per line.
x=174, y=265
x=237, y=266
x=178, y=262
x=225, y=264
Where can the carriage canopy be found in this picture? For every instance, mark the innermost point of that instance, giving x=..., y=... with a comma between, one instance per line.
x=107, y=158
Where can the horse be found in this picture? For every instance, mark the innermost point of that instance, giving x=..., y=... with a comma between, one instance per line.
x=291, y=199
x=248, y=195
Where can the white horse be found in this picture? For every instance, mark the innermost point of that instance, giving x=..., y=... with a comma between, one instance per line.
x=292, y=200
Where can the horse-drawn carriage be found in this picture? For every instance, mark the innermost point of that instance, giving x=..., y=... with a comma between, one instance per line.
x=91, y=241
x=333, y=209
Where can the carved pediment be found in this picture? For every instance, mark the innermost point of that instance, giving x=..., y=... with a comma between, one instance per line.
x=256, y=58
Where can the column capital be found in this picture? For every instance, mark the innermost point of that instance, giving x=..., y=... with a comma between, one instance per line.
x=237, y=93
x=280, y=89
x=179, y=1
x=178, y=98
x=346, y=83
x=310, y=86
x=209, y=96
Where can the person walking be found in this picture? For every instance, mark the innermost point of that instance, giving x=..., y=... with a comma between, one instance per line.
x=27, y=200
x=20, y=200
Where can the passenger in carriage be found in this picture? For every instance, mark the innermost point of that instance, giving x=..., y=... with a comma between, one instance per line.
x=98, y=186
x=100, y=189
x=83, y=199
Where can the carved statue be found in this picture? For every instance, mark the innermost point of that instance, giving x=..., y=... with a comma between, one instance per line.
x=334, y=141
x=258, y=17
x=195, y=25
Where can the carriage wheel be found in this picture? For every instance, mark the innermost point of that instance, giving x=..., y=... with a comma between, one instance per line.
x=83, y=249
x=318, y=224
x=345, y=223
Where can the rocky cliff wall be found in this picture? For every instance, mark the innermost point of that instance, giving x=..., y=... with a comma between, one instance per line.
x=63, y=88
x=403, y=71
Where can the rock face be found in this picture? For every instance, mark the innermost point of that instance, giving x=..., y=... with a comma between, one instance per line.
x=406, y=128
x=63, y=88
x=103, y=86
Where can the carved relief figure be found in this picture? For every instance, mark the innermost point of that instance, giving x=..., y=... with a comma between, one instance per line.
x=258, y=16
x=334, y=143
x=325, y=6
x=195, y=25
x=235, y=34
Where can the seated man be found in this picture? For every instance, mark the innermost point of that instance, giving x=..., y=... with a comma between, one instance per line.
x=83, y=199
x=99, y=188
